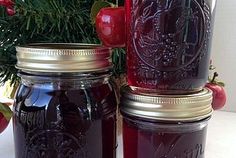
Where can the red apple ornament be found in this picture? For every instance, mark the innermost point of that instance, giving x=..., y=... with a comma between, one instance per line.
x=10, y=11
x=5, y=116
x=110, y=26
x=219, y=95
x=3, y=123
x=9, y=7
x=6, y=3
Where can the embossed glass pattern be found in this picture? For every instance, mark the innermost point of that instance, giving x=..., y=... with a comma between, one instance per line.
x=65, y=116
x=168, y=44
x=149, y=139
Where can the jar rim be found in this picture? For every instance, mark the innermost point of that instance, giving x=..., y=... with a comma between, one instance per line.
x=170, y=126
x=192, y=107
x=63, y=57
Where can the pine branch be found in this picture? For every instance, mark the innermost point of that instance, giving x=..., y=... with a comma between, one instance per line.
x=54, y=21
x=119, y=58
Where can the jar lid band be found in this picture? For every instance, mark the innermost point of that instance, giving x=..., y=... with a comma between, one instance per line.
x=166, y=107
x=63, y=57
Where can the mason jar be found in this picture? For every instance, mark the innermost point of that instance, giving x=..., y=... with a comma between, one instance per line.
x=168, y=44
x=165, y=126
x=65, y=106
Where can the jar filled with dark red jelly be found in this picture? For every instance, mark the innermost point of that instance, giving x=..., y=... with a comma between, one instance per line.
x=65, y=106
x=168, y=44
x=165, y=126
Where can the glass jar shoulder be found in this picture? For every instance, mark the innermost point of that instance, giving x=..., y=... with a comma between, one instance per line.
x=94, y=95
x=164, y=126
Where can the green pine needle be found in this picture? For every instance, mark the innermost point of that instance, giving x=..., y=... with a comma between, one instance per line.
x=51, y=21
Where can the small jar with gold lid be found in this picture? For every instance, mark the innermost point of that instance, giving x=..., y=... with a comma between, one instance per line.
x=165, y=126
x=65, y=106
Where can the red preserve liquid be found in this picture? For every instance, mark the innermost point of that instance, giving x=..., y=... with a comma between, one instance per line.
x=62, y=121
x=158, y=140
x=168, y=44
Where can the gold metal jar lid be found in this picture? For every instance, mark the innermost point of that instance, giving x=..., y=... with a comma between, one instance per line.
x=166, y=107
x=63, y=57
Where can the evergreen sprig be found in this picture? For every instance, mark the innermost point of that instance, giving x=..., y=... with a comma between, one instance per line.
x=51, y=21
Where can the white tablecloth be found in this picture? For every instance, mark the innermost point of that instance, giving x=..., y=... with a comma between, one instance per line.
x=221, y=139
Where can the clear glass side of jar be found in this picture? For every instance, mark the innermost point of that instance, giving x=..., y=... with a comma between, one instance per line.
x=65, y=115
x=60, y=80
x=154, y=139
x=168, y=45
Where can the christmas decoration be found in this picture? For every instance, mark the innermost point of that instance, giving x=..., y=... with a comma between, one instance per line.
x=5, y=116
x=106, y=23
x=219, y=95
x=217, y=88
x=51, y=21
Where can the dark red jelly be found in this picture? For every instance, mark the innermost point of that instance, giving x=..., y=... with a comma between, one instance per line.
x=65, y=118
x=168, y=44
x=144, y=139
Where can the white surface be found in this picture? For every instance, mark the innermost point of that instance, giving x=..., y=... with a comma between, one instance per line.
x=221, y=140
x=224, y=48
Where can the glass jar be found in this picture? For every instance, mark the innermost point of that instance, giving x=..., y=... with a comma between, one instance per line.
x=165, y=126
x=168, y=44
x=65, y=106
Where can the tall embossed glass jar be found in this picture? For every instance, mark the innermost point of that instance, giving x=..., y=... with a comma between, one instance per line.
x=65, y=106
x=168, y=44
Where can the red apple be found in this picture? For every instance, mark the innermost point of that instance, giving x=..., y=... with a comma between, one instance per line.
x=2, y=2
x=3, y=122
x=10, y=11
x=219, y=95
x=5, y=116
x=110, y=26
x=6, y=3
